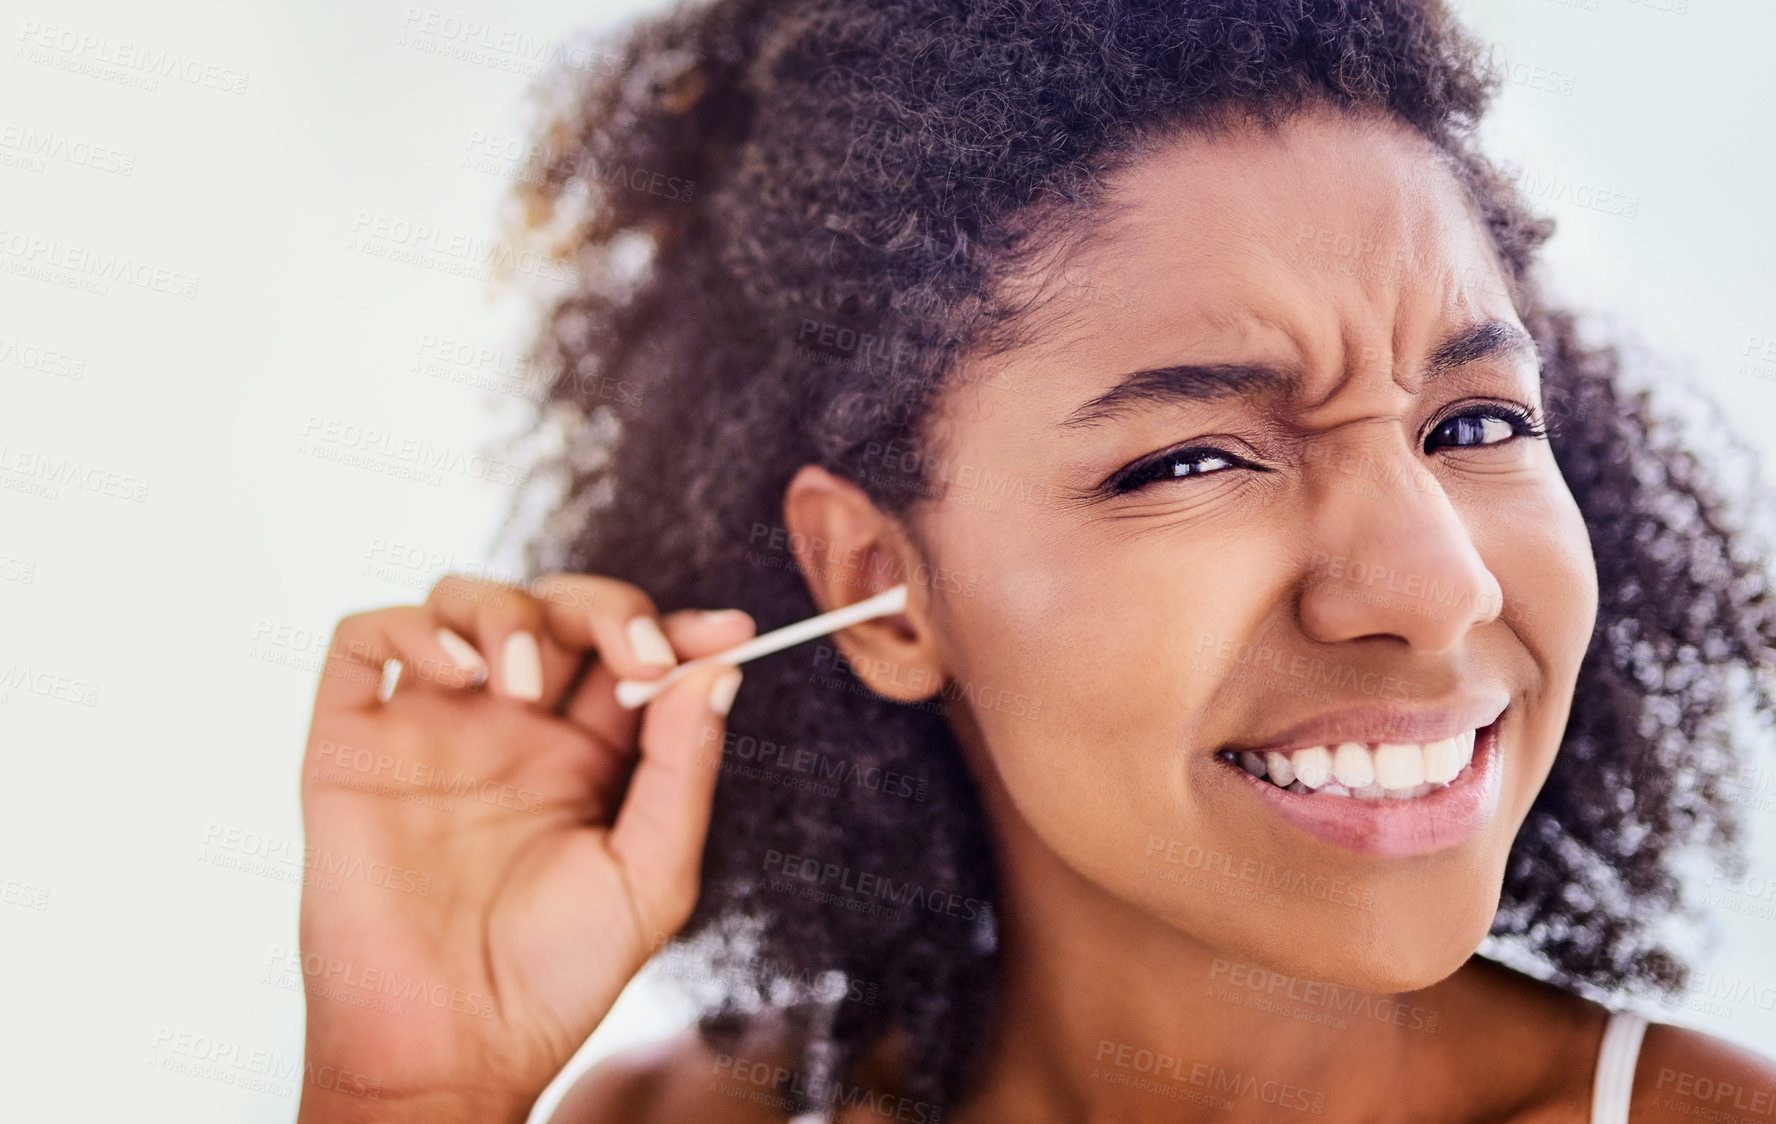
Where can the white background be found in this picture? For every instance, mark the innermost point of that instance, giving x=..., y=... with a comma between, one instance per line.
x=179, y=616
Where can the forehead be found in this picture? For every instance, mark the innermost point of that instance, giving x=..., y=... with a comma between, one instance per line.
x=1325, y=239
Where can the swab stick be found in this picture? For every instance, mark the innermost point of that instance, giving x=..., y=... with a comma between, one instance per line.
x=632, y=693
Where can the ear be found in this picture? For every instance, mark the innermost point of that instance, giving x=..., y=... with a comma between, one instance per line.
x=848, y=550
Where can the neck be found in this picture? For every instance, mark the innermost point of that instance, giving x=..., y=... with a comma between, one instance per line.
x=1107, y=1013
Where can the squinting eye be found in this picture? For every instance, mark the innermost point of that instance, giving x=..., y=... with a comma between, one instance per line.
x=1177, y=463
x=1491, y=424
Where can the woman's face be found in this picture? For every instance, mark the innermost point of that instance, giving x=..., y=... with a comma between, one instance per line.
x=1259, y=484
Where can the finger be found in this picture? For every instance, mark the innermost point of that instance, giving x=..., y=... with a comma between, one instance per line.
x=505, y=624
x=614, y=618
x=660, y=829
x=363, y=642
x=692, y=632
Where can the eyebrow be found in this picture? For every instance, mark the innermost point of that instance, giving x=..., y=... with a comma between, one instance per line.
x=1203, y=382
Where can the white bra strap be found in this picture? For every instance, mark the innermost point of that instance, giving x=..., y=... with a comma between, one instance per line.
x=1616, y=1060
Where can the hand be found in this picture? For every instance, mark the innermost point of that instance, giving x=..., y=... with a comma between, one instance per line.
x=494, y=849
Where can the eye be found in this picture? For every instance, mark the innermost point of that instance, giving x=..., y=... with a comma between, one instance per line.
x=1195, y=460
x=1491, y=423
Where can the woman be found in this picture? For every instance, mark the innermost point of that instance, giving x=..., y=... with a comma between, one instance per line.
x=1295, y=605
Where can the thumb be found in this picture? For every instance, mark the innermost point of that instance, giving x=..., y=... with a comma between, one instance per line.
x=660, y=829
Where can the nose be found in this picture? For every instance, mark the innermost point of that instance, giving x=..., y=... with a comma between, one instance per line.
x=1392, y=557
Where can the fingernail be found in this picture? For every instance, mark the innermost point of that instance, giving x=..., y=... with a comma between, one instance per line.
x=650, y=644
x=523, y=667
x=461, y=652
x=391, y=675
x=721, y=692
x=711, y=616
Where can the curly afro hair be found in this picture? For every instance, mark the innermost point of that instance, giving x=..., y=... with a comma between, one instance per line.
x=752, y=167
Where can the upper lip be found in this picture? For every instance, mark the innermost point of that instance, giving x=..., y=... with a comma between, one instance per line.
x=1408, y=725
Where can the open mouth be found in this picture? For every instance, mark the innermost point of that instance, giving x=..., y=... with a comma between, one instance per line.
x=1363, y=771
x=1390, y=799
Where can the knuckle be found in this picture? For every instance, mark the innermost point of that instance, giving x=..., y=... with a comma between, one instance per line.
x=570, y=591
x=610, y=597
x=356, y=636
x=472, y=592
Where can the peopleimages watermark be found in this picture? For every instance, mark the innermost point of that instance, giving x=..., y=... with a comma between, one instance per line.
x=1156, y=1071
x=44, y=360
x=286, y=860
x=1361, y=256
x=23, y=895
x=1556, y=188
x=372, y=988
x=913, y=471
x=20, y=570
x=1710, y=993
x=44, y=475
x=409, y=458
x=122, y=62
x=415, y=782
x=451, y=252
x=1313, y=1001
x=86, y=270
x=1710, y=1097
x=1753, y=895
x=495, y=155
x=826, y=341
x=46, y=685
x=499, y=48
x=29, y=149
x=480, y=366
x=1305, y=668
x=1759, y=357
x=841, y=885
x=1420, y=594
x=1176, y=855
x=769, y=762
x=1538, y=77
x=255, y=1070
x=766, y=1083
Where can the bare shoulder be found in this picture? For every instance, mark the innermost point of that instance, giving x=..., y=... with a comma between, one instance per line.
x=684, y=1078
x=1687, y=1075
x=1680, y=1075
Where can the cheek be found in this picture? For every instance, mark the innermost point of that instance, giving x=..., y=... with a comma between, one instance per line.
x=1540, y=551
x=1541, y=555
x=1086, y=664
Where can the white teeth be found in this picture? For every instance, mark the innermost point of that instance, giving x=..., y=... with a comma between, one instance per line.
x=1279, y=767
x=1442, y=760
x=1352, y=765
x=1313, y=767
x=1399, y=766
x=1391, y=770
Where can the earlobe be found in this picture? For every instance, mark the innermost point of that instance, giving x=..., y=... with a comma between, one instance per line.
x=849, y=549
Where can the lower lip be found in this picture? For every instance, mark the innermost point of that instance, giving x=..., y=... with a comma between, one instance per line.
x=1434, y=822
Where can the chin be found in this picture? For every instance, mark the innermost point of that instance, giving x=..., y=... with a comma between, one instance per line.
x=1406, y=939
x=1409, y=941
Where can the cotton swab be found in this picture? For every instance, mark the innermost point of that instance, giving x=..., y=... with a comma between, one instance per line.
x=632, y=693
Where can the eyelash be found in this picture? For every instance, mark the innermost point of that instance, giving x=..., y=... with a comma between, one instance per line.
x=1523, y=422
